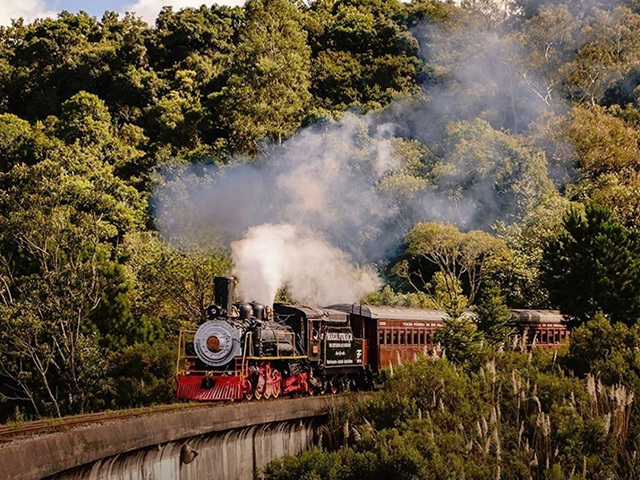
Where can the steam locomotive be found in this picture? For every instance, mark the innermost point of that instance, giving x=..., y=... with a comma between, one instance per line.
x=248, y=350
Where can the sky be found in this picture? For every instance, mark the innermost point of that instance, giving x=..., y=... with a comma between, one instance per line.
x=147, y=9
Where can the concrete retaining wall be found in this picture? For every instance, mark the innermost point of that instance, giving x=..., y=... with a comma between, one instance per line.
x=39, y=457
x=221, y=456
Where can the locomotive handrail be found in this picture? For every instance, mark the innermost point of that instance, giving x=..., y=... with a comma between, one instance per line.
x=249, y=344
x=248, y=340
x=182, y=347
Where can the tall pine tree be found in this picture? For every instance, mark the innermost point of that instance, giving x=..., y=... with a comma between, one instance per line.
x=594, y=267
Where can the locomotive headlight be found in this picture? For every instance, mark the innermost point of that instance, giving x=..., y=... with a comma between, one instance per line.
x=215, y=344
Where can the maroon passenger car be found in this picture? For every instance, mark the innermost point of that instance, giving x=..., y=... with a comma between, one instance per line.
x=396, y=334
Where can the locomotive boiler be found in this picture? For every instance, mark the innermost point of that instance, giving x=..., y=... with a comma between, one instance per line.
x=248, y=350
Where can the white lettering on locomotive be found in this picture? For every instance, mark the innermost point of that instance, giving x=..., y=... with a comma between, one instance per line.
x=340, y=336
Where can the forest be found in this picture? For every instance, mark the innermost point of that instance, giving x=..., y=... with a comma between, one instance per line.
x=502, y=137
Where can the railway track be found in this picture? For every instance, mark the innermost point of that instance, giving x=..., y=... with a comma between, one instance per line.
x=9, y=433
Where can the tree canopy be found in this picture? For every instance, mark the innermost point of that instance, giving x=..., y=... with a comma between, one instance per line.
x=479, y=126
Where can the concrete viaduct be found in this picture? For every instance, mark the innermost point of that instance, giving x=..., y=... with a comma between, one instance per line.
x=231, y=442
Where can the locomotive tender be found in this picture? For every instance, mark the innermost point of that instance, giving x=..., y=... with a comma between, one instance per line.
x=248, y=350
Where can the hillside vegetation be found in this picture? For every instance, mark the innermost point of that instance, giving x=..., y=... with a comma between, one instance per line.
x=517, y=124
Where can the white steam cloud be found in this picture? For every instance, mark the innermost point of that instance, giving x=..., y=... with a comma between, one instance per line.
x=307, y=213
x=272, y=256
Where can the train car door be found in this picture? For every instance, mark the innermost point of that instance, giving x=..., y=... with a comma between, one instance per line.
x=314, y=339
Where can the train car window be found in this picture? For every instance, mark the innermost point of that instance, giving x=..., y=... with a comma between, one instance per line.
x=387, y=339
x=543, y=337
x=422, y=337
x=402, y=342
x=415, y=337
x=429, y=342
x=557, y=336
x=395, y=337
x=409, y=337
x=381, y=337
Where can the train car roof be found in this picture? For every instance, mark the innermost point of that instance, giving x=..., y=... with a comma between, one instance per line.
x=391, y=313
x=420, y=314
x=538, y=316
x=311, y=312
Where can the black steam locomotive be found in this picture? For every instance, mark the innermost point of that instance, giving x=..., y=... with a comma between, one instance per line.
x=247, y=350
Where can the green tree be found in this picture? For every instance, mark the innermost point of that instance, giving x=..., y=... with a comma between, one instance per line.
x=594, y=266
x=494, y=319
x=459, y=257
x=460, y=339
x=206, y=31
x=57, y=58
x=490, y=171
x=175, y=120
x=521, y=281
x=267, y=94
x=85, y=119
x=363, y=53
x=604, y=143
x=20, y=143
x=175, y=285
x=606, y=349
x=60, y=221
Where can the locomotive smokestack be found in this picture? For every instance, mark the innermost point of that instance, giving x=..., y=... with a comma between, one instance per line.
x=223, y=292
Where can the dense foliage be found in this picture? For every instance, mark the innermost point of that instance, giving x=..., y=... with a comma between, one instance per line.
x=499, y=415
x=517, y=124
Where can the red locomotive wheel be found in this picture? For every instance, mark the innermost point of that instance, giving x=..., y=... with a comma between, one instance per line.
x=276, y=383
x=261, y=387
x=268, y=387
x=333, y=386
x=248, y=394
